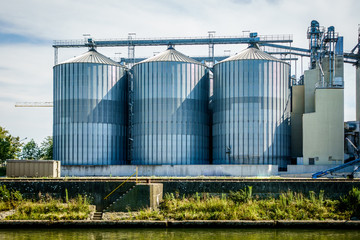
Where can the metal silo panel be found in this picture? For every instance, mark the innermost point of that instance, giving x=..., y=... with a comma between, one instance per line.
x=170, y=109
x=89, y=113
x=251, y=112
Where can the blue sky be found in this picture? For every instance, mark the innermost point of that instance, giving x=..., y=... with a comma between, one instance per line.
x=27, y=29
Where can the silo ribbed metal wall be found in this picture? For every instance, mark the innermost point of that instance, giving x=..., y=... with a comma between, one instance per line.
x=171, y=118
x=251, y=112
x=90, y=114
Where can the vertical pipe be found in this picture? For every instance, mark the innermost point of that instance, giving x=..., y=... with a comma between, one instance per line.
x=56, y=55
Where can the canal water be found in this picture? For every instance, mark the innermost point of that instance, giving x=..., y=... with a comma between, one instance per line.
x=178, y=234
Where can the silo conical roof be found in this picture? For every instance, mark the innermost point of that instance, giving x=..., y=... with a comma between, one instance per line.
x=252, y=53
x=171, y=55
x=91, y=56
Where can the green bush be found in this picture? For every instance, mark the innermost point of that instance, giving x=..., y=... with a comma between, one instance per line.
x=2, y=171
x=351, y=202
x=242, y=196
x=9, y=199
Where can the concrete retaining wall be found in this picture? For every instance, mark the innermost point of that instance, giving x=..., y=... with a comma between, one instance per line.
x=93, y=190
x=332, y=189
x=97, y=190
x=172, y=170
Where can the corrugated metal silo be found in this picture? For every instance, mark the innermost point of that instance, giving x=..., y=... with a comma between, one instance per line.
x=90, y=111
x=251, y=109
x=171, y=117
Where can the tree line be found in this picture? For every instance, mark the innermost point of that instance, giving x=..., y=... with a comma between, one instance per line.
x=12, y=148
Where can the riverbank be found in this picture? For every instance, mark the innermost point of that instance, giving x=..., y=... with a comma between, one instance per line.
x=180, y=224
x=240, y=207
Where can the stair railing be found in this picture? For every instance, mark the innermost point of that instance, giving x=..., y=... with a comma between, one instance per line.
x=136, y=172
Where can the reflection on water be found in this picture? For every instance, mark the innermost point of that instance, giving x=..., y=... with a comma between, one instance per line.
x=178, y=234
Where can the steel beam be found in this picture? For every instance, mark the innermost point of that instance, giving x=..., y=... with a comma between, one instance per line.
x=285, y=47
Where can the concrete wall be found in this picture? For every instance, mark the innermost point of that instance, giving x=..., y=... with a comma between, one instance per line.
x=171, y=170
x=311, y=77
x=32, y=168
x=323, y=130
x=95, y=191
x=156, y=195
x=298, y=99
x=298, y=108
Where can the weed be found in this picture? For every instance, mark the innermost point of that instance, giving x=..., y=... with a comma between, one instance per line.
x=66, y=195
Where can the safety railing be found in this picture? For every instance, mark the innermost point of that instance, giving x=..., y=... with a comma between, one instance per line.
x=136, y=173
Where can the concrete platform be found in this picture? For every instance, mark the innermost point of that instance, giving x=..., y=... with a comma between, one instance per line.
x=171, y=170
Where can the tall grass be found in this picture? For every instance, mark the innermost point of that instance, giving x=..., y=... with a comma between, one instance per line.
x=52, y=209
x=242, y=205
x=45, y=208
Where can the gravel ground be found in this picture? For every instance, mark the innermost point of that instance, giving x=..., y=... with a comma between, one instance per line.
x=111, y=216
x=4, y=214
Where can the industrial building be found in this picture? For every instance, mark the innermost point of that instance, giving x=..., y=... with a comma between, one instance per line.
x=318, y=102
x=211, y=115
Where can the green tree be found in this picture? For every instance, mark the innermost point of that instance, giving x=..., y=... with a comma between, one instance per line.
x=46, y=148
x=30, y=150
x=10, y=146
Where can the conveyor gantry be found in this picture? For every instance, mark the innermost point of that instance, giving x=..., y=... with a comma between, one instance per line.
x=171, y=41
x=337, y=168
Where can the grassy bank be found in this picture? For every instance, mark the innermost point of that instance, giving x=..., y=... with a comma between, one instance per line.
x=45, y=208
x=243, y=205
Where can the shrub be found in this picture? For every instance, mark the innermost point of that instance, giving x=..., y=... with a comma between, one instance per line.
x=9, y=199
x=242, y=196
x=351, y=202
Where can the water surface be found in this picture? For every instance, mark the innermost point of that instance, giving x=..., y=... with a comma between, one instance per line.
x=178, y=234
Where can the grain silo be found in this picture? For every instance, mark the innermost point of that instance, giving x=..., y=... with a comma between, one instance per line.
x=251, y=109
x=171, y=118
x=90, y=111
